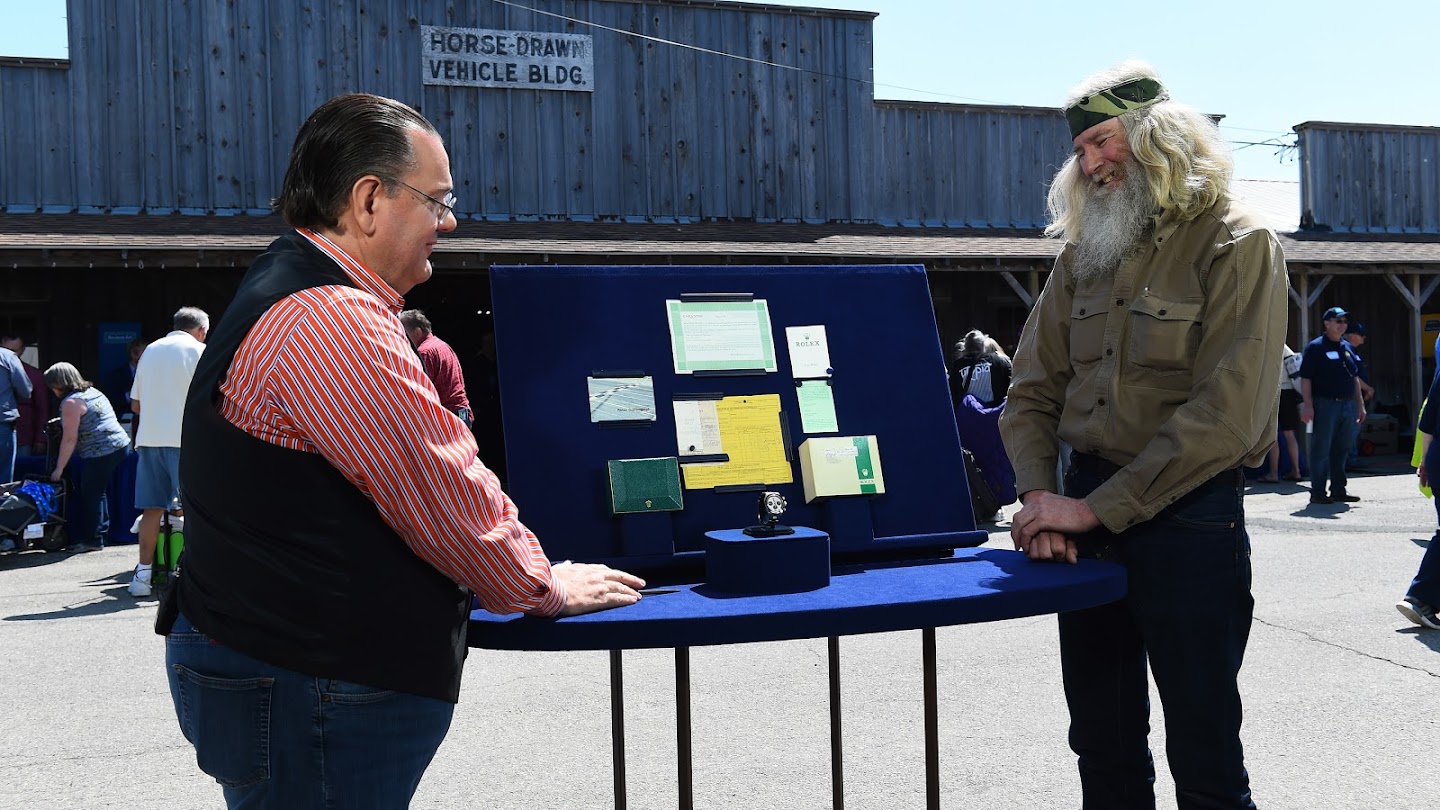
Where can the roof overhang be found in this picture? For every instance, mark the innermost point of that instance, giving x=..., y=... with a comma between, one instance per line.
x=85, y=240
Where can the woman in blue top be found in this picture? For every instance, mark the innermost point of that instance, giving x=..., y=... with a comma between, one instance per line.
x=89, y=428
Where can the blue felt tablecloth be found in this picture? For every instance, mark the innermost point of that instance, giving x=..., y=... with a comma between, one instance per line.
x=976, y=585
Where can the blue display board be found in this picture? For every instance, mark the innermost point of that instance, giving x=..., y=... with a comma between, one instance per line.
x=557, y=326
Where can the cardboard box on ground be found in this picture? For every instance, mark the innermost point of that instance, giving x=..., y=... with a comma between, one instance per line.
x=1379, y=435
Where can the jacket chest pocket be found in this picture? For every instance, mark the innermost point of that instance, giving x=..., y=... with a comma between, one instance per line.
x=1164, y=334
x=1087, y=329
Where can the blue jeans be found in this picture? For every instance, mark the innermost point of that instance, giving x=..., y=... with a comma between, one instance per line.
x=1352, y=431
x=1327, y=444
x=1187, y=612
x=274, y=738
x=92, y=513
x=7, y=452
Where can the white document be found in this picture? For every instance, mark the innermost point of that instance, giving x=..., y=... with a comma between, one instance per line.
x=697, y=427
x=809, y=352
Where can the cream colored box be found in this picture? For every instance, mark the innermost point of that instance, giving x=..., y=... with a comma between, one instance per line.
x=840, y=465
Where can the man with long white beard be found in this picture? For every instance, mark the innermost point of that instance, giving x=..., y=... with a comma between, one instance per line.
x=1153, y=352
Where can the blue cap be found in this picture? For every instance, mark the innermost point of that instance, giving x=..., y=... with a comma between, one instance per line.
x=1355, y=328
x=1333, y=313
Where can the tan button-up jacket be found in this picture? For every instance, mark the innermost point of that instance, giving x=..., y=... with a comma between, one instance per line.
x=1167, y=368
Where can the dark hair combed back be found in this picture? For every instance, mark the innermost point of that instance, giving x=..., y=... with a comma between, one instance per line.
x=414, y=318
x=345, y=139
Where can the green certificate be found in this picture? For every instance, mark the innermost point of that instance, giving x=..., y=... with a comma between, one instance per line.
x=817, y=407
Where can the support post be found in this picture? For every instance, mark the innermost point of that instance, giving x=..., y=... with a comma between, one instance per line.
x=837, y=752
x=617, y=727
x=1417, y=327
x=682, y=727
x=932, y=722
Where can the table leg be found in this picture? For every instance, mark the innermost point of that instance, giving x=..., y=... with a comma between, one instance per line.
x=932, y=724
x=617, y=727
x=837, y=761
x=682, y=726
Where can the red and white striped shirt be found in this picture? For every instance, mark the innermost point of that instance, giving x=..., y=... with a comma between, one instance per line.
x=329, y=370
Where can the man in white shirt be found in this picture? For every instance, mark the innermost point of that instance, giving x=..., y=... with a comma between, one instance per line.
x=162, y=379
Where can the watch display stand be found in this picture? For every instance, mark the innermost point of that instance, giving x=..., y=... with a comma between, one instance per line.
x=737, y=563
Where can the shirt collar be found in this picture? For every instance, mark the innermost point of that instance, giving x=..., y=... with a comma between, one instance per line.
x=364, y=278
x=1162, y=230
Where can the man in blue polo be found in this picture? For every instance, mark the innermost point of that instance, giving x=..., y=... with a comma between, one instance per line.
x=1329, y=381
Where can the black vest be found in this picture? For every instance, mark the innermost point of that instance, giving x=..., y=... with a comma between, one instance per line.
x=285, y=560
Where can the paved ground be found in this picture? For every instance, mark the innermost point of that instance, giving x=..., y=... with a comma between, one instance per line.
x=1341, y=696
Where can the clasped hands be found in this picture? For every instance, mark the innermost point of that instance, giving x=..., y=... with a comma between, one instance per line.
x=1045, y=524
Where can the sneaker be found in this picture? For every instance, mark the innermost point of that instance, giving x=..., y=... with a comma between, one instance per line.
x=1320, y=498
x=1418, y=612
x=1343, y=497
x=140, y=584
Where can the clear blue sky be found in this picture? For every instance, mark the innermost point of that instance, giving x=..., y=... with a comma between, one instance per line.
x=1263, y=64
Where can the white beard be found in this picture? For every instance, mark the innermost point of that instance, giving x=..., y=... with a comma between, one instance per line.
x=1112, y=224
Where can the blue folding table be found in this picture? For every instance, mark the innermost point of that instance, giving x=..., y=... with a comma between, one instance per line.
x=976, y=585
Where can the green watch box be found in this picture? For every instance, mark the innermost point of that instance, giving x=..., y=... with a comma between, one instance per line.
x=645, y=485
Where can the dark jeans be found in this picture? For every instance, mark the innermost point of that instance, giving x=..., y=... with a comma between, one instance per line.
x=1327, y=444
x=1187, y=611
x=7, y=452
x=92, y=512
x=1426, y=586
x=274, y=738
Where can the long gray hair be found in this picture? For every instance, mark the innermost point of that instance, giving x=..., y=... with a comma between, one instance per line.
x=1186, y=160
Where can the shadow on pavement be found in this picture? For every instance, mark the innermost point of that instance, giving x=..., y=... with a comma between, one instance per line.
x=1327, y=511
x=1430, y=638
x=1282, y=487
x=32, y=558
x=114, y=597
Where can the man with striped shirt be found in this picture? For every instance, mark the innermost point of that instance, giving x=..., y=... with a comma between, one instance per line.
x=337, y=519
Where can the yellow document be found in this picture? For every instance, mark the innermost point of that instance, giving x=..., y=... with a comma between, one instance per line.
x=844, y=465
x=750, y=434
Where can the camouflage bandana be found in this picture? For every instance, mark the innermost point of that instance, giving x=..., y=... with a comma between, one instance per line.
x=1134, y=94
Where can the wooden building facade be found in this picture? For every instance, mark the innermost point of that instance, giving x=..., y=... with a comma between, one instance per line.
x=135, y=176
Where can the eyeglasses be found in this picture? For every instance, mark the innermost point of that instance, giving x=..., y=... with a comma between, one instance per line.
x=440, y=208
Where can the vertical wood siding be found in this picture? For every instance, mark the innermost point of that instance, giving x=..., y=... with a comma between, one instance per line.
x=1379, y=179
x=192, y=105
x=953, y=166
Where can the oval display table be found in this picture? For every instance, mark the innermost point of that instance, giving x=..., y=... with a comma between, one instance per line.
x=975, y=585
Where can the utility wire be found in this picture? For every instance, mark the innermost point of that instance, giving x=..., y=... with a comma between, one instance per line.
x=767, y=63
x=726, y=55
